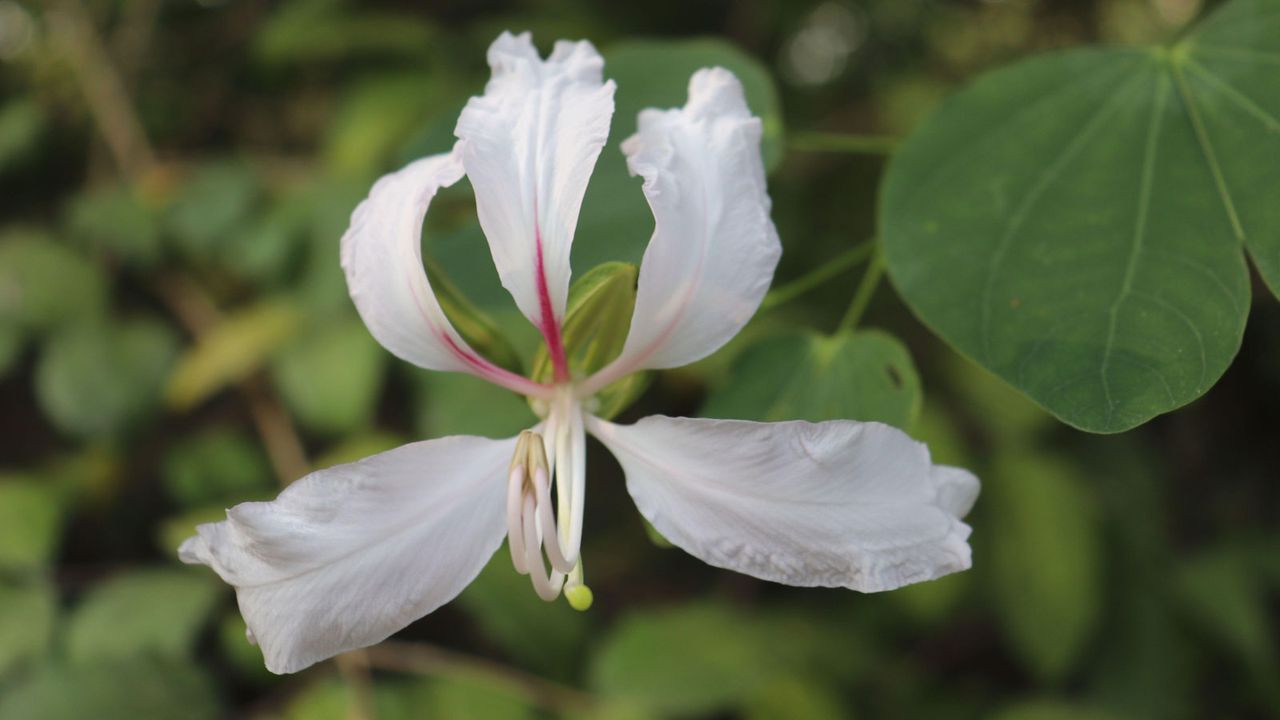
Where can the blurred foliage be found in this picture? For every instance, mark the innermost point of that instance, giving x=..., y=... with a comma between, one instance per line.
x=171, y=306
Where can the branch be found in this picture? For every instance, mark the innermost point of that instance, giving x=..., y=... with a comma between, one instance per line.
x=420, y=658
x=72, y=31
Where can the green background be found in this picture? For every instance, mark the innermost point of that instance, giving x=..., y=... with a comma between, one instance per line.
x=175, y=338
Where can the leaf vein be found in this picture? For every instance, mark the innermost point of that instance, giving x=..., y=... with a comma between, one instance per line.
x=1139, y=233
x=1048, y=176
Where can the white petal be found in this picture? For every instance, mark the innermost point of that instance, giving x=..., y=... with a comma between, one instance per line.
x=530, y=144
x=347, y=556
x=831, y=504
x=714, y=247
x=382, y=258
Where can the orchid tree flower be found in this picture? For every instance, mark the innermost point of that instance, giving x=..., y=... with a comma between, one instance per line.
x=346, y=556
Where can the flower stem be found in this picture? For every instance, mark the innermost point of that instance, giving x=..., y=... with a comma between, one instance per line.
x=862, y=297
x=421, y=658
x=842, y=143
x=821, y=274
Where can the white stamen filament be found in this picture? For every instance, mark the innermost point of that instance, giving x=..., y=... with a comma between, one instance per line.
x=535, y=534
x=547, y=523
x=578, y=468
x=515, y=533
x=547, y=588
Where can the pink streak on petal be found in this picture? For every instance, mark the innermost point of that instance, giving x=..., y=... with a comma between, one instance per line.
x=549, y=326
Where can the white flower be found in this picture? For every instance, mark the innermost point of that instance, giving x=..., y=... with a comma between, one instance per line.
x=349, y=555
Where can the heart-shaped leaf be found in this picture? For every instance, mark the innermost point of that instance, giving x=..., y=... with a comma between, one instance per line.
x=865, y=375
x=1075, y=222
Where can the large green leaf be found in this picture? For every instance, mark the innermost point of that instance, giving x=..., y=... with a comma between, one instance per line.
x=616, y=222
x=1041, y=540
x=1074, y=222
x=546, y=638
x=124, y=690
x=865, y=375
x=218, y=466
x=330, y=378
x=115, y=219
x=27, y=615
x=684, y=661
x=30, y=523
x=232, y=351
x=97, y=379
x=154, y=613
x=44, y=283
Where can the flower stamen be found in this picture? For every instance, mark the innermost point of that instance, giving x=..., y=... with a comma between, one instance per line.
x=531, y=525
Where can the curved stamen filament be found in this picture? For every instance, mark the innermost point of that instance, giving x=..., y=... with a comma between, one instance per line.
x=515, y=533
x=548, y=588
x=548, y=523
x=531, y=525
x=578, y=477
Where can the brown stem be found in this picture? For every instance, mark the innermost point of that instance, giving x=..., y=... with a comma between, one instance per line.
x=354, y=668
x=279, y=436
x=72, y=31
x=421, y=658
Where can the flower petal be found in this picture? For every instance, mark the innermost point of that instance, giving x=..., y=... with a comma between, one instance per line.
x=714, y=247
x=347, y=556
x=530, y=144
x=382, y=258
x=838, y=503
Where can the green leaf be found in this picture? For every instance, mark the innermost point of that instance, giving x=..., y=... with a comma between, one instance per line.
x=475, y=326
x=30, y=523
x=1074, y=222
x=543, y=637
x=1052, y=710
x=98, y=379
x=230, y=352
x=12, y=341
x=27, y=616
x=863, y=375
x=595, y=327
x=685, y=661
x=213, y=205
x=475, y=697
x=458, y=404
x=114, y=219
x=22, y=122
x=371, y=123
x=1041, y=540
x=616, y=222
x=219, y=466
x=306, y=32
x=331, y=378
x=1220, y=590
x=155, y=613
x=330, y=699
x=357, y=447
x=271, y=245
x=793, y=698
x=117, y=690
x=44, y=284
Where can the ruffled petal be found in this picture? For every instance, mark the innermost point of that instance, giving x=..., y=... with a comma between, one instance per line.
x=530, y=144
x=714, y=247
x=347, y=556
x=832, y=504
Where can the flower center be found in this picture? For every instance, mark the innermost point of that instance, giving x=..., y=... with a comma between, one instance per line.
x=537, y=534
